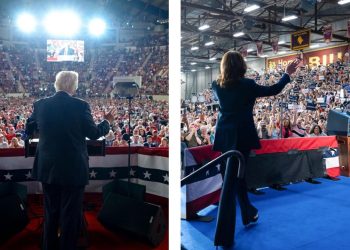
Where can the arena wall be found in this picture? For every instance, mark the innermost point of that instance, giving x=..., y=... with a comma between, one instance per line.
x=194, y=82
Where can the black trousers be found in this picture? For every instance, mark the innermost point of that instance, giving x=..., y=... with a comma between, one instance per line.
x=237, y=188
x=63, y=213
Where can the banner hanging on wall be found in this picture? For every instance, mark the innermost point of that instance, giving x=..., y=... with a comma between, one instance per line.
x=327, y=33
x=300, y=40
x=259, y=48
x=311, y=58
x=348, y=33
x=274, y=44
x=347, y=54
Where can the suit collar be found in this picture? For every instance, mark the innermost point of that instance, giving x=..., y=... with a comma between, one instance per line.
x=62, y=93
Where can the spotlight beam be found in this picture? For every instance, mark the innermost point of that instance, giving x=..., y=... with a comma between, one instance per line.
x=97, y=26
x=26, y=23
x=66, y=23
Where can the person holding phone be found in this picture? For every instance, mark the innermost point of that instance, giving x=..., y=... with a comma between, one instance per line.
x=235, y=130
x=191, y=138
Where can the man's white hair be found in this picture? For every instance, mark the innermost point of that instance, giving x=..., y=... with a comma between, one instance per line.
x=66, y=81
x=204, y=127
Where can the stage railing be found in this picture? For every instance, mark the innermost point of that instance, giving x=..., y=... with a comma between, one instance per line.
x=222, y=225
x=150, y=167
x=240, y=174
x=310, y=157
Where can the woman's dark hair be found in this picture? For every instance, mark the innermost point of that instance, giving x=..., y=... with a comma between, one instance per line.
x=312, y=131
x=286, y=129
x=289, y=125
x=232, y=67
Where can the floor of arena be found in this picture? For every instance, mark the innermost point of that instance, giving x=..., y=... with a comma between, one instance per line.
x=305, y=216
x=98, y=237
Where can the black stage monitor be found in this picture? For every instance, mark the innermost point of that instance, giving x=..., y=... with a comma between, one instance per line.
x=338, y=123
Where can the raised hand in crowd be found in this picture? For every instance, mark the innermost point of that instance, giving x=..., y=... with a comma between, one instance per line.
x=292, y=67
x=185, y=120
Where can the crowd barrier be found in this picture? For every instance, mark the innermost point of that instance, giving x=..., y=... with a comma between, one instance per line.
x=279, y=161
x=149, y=167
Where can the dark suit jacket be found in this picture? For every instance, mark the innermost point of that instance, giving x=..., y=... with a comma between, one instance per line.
x=63, y=123
x=67, y=51
x=235, y=128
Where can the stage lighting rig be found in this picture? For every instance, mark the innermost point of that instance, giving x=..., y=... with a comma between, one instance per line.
x=97, y=26
x=26, y=23
x=66, y=23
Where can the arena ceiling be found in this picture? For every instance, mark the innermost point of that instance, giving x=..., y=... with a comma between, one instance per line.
x=225, y=17
x=135, y=10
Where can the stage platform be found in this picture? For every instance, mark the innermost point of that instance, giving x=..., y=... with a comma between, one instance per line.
x=305, y=216
x=98, y=236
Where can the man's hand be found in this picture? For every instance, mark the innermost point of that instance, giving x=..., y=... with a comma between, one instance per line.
x=109, y=116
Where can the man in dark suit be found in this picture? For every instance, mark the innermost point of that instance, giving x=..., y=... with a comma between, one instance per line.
x=67, y=50
x=61, y=160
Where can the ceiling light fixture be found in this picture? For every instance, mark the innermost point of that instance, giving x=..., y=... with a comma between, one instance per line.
x=26, y=23
x=97, y=26
x=62, y=23
x=204, y=27
x=251, y=8
x=195, y=48
x=343, y=2
x=212, y=59
x=238, y=34
x=289, y=18
x=209, y=43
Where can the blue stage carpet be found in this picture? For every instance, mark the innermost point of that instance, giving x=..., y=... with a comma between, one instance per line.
x=305, y=216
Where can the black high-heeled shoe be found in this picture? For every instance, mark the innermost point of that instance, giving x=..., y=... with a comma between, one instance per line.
x=226, y=247
x=251, y=220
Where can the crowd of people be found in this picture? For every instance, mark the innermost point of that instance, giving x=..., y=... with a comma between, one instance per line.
x=24, y=68
x=7, y=83
x=148, y=125
x=301, y=110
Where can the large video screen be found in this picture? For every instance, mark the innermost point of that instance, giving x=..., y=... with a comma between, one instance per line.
x=65, y=50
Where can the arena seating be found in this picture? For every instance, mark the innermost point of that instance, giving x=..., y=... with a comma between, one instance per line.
x=24, y=69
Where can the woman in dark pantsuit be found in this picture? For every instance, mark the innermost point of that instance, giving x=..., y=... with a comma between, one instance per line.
x=235, y=129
